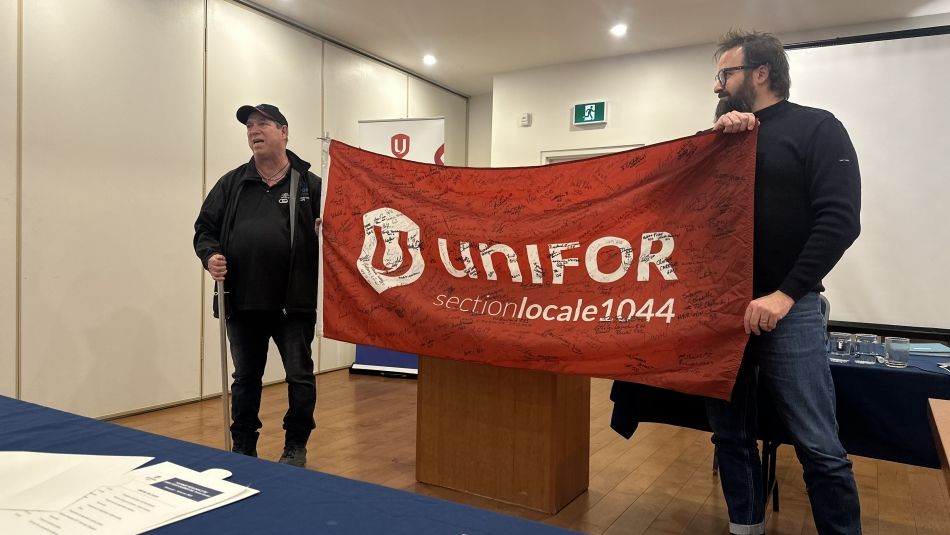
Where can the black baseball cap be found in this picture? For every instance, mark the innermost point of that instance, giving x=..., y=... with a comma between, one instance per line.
x=267, y=110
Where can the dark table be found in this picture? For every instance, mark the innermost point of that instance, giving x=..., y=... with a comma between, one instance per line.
x=882, y=412
x=291, y=500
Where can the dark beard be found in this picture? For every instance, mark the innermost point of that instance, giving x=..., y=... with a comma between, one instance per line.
x=742, y=100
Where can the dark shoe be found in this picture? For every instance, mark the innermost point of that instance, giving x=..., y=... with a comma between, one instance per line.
x=245, y=445
x=250, y=452
x=294, y=456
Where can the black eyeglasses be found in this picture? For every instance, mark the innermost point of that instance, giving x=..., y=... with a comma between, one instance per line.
x=723, y=74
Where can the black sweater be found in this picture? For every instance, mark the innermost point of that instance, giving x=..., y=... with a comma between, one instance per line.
x=807, y=198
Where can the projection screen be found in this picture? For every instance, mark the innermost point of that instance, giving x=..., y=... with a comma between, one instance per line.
x=893, y=96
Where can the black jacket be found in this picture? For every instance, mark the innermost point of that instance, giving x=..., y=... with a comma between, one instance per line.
x=216, y=219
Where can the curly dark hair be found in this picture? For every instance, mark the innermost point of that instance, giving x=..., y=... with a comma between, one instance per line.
x=760, y=48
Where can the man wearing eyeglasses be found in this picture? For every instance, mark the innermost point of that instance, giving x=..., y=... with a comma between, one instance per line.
x=807, y=204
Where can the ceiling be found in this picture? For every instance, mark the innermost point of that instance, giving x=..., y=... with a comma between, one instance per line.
x=474, y=40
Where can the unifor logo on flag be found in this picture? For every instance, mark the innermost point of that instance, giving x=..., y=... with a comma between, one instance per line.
x=634, y=266
x=399, y=144
x=381, y=245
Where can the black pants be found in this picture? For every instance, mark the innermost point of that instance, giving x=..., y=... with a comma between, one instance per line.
x=250, y=333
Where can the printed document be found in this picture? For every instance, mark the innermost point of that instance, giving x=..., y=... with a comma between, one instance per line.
x=144, y=499
x=50, y=481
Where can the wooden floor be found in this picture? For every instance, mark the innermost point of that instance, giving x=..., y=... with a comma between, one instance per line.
x=659, y=482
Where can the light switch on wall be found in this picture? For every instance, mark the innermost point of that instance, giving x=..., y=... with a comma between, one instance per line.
x=525, y=119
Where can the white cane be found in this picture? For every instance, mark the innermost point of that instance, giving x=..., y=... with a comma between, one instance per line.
x=225, y=400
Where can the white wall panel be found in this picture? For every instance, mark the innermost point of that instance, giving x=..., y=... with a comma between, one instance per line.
x=479, y=130
x=111, y=180
x=358, y=88
x=254, y=59
x=335, y=355
x=427, y=100
x=8, y=195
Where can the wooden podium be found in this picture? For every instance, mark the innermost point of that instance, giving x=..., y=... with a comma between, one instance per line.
x=517, y=436
x=940, y=425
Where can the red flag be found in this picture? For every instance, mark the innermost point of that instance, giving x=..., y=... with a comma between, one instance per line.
x=634, y=266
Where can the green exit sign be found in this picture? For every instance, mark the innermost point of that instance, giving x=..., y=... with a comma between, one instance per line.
x=590, y=113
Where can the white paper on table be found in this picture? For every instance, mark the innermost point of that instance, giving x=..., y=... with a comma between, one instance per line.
x=50, y=481
x=147, y=498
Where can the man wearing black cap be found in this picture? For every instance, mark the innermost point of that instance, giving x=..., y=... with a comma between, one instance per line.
x=256, y=232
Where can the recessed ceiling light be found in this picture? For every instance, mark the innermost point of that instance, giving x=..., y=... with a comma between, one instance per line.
x=619, y=30
x=428, y=59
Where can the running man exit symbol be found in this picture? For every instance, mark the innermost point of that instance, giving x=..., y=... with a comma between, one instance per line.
x=590, y=113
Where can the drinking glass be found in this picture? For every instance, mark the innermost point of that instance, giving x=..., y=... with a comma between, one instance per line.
x=865, y=350
x=898, y=351
x=839, y=347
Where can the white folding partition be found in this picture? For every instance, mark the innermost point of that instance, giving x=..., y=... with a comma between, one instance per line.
x=358, y=88
x=127, y=111
x=892, y=97
x=111, y=167
x=8, y=196
x=254, y=59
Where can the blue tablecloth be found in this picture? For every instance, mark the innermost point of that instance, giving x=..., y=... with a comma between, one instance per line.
x=291, y=500
x=882, y=412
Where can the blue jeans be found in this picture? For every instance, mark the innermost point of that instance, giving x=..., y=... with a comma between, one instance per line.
x=250, y=333
x=792, y=365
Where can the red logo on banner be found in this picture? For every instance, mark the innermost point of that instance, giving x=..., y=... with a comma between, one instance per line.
x=399, y=145
x=439, y=153
x=634, y=266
